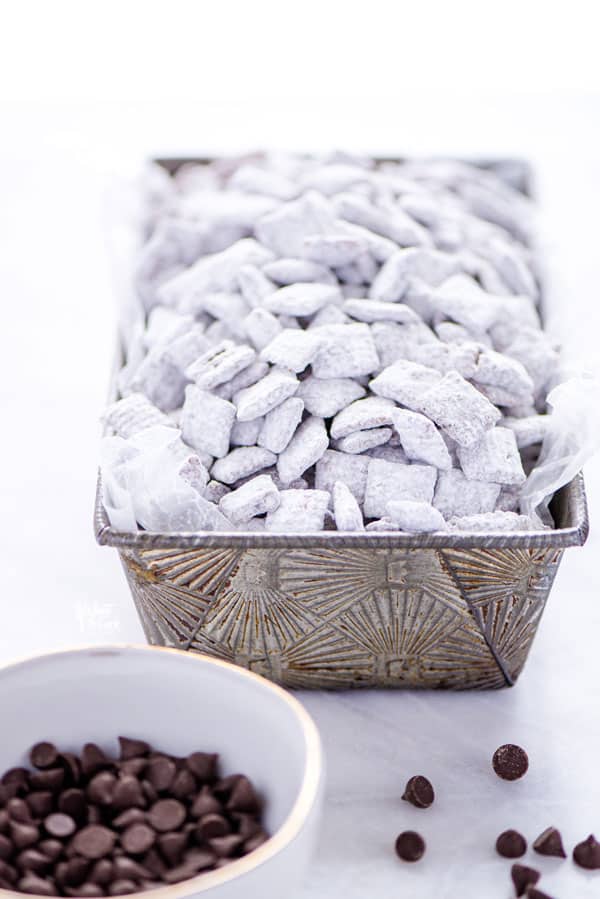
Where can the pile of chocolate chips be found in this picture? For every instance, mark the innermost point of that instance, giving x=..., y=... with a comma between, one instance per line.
x=510, y=762
x=90, y=825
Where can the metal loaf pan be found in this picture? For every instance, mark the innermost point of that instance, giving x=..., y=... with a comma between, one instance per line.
x=332, y=610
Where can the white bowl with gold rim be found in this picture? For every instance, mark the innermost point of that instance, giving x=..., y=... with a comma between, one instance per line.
x=180, y=702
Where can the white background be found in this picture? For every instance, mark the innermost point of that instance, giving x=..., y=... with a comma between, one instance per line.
x=86, y=91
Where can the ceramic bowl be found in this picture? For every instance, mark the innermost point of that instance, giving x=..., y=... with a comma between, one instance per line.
x=180, y=702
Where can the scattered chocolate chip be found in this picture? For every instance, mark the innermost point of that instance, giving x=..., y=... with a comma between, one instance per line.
x=40, y=803
x=74, y=871
x=59, y=825
x=166, y=814
x=419, y=792
x=150, y=793
x=94, y=841
x=510, y=762
x=203, y=765
x=50, y=780
x=154, y=863
x=18, y=778
x=511, y=844
x=131, y=748
x=550, y=842
x=522, y=877
x=40, y=886
x=410, y=846
x=210, y=826
x=534, y=893
x=137, y=839
x=587, y=854
x=225, y=785
x=43, y=755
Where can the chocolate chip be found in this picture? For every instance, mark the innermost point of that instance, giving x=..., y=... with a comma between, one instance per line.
x=50, y=780
x=18, y=780
x=101, y=788
x=31, y=883
x=243, y=797
x=51, y=849
x=205, y=803
x=59, y=825
x=419, y=792
x=223, y=787
x=40, y=803
x=85, y=890
x=587, y=854
x=122, y=887
x=534, y=893
x=18, y=810
x=43, y=755
x=160, y=772
x=131, y=748
x=522, y=877
x=128, y=793
x=4, y=821
x=510, y=762
x=166, y=814
x=128, y=868
x=74, y=872
x=247, y=825
x=257, y=840
x=203, y=765
x=6, y=847
x=7, y=872
x=550, y=842
x=33, y=860
x=511, y=844
x=73, y=802
x=129, y=817
x=194, y=861
x=184, y=784
x=150, y=793
x=410, y=846
x=102, y=872
x=172, y=846
x=94, y=815
x=210, y=826
x=23, y=835
x=227, y=845
x=94, y=841
x=154, y=863
x=133, y=766
x=93, y=759
x=71, y=767
x=138, y=839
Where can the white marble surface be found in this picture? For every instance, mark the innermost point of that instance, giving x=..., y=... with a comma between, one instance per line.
x=59, y=589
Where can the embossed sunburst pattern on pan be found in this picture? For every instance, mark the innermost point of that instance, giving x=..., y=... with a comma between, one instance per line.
x=360, y=617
